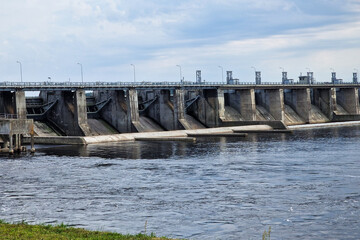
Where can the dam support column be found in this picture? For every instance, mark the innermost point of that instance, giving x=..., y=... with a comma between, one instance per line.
x=13, y=103
x=221, y=104
x=300, y=101
x=247, y=104
x=133, y=104
x=348, y=98
x=273, y=101
x=117, y=113
x=20, y=104
x=69, y=114
x=325, y=100
x=206, y=108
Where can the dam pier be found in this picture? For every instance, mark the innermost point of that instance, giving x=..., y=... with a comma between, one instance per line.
x=67, y=110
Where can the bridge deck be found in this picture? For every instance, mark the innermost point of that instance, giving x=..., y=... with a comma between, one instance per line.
x=38, y=86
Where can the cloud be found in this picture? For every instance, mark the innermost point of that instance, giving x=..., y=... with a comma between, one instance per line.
x=50, y=37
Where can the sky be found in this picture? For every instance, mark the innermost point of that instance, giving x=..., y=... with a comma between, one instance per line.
x=49, y=38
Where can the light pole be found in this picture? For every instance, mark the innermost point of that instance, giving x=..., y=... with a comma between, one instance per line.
x=222, y=74
x=180, y=72
x=82, y=76
x=20, y=70
x=134, y=72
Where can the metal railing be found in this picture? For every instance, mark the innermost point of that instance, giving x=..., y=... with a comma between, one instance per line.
x=37, y=85
x=8, y=116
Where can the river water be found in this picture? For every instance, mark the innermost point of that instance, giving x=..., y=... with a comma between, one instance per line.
x=304, y=185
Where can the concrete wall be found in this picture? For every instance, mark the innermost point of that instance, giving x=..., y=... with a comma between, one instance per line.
x=325, y=100
x=348, y=98
x=117, y=111
x=168, y=110
x=300, y=101
x=273, y=101
x=13, y=103
x=206, y=109
x=69, y=114
x=244, y=102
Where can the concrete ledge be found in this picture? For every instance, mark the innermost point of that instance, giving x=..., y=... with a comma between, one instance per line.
x=324, y=125
x=57, y=140
x=186, y=139
x=264, y=131
x=274, y=124
x=347, y=117
x=217, y=134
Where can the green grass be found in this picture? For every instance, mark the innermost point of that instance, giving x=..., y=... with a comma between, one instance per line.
x=19, y=231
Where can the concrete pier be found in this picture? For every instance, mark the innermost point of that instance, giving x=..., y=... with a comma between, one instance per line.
x=348, y=98
x=300, y=101
x=325, y=100
x=273, y=101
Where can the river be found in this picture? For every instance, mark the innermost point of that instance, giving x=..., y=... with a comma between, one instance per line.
x=304, y=185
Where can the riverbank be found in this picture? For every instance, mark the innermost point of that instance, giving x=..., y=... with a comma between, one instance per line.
x=26, y=231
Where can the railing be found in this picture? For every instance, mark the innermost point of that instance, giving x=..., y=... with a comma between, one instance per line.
x=151, y=84
x=8, y=116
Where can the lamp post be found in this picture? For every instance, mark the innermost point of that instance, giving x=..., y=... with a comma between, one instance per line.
x=134, y=72
x=222, y=74
x=180, y=72
x=81, y=69
x=21, y=78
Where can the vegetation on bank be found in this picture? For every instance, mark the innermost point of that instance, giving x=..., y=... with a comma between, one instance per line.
x=19, y=231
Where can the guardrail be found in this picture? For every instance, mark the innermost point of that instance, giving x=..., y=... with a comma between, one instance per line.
x=149, y=84
x=8, y=116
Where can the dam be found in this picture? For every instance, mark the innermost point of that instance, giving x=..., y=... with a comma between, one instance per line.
x=109, y=108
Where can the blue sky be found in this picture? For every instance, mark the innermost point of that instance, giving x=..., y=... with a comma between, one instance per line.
x=50, y=37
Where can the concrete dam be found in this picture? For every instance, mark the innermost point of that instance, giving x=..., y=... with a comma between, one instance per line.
x=93, y=109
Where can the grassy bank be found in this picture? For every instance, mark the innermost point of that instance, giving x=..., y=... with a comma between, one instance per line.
x=26, y=231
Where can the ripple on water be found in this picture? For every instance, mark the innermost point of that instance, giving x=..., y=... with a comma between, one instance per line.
x=303, y=185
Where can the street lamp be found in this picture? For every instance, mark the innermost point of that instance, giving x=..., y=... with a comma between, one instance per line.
x=222, y=73
x=180, y=72
x=20, y=70
x=134, y=72
x=82, y=76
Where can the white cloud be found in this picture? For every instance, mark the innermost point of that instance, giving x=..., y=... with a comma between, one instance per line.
x=106, y=36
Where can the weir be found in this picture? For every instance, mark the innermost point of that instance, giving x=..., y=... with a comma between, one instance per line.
x=93, y=109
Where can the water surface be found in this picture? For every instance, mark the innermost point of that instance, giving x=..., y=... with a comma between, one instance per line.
x=305, y=186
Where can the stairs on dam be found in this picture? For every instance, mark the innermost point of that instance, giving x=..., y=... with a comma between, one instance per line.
x=190, y=123
x=317, y=116
x=291, y=117
x=232, y=115
x=263, y=115
x=340, y=110
x=146, y=124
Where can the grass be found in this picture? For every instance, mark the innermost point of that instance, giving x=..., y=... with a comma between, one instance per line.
x=19, y=231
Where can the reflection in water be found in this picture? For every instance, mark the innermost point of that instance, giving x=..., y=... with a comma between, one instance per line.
x=304, y=185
